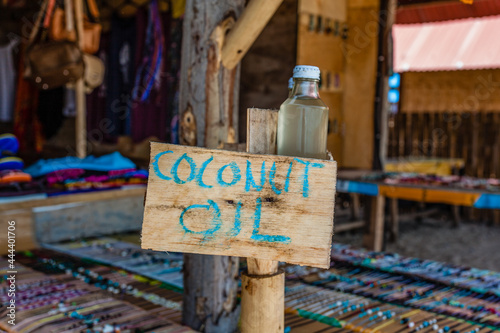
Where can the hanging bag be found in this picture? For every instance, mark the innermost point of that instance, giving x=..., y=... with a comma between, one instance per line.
x=51, y=64
x=94, y=72
x=61, y=26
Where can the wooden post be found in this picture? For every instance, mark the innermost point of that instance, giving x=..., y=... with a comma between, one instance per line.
x=81, y=121
x=374, y=239
x=394, y=219
x=263, y=303
x=247, y=29
x=263, y=289
x=387, y=16
x=455, y=210
x=208, y=104
x=355, y=206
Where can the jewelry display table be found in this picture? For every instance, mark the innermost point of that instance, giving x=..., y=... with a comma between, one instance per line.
x=378, y=190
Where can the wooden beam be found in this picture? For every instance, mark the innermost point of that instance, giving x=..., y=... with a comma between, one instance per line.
x=246, y=30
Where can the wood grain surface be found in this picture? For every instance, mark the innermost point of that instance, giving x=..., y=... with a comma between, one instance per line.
x=214, y=202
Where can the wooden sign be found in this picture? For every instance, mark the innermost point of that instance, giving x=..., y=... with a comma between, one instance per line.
x=239, y=204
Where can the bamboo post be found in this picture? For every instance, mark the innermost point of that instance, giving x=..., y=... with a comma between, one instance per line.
x=246, y=30
x=81, y=126
x=263, y=287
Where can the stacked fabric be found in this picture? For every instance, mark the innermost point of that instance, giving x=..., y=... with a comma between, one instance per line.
x=71, y=174
x=11, y=166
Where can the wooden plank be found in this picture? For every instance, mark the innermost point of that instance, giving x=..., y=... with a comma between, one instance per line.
x=24, y=234
x=262, y=127
x=460, y=198
x=247, y=29
x=193, y=205
x=400, y=192
x=332, y=9
x=360, y=53
x=321, y=46
x=75, y=198
x=87, y=219
x=374, y=238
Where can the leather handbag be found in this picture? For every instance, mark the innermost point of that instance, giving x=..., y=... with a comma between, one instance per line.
x=94, y=72
x=62, y=26
x=51, y=64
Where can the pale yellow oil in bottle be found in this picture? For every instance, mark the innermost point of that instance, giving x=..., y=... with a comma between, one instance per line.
x=303, y=128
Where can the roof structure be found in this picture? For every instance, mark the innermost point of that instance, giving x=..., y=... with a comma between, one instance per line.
x=472, y=43
x=425, y=11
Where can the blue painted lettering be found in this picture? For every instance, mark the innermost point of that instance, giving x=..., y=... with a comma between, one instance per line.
x=175, y=167
x=199, y=177
x=237, y=222
x=287, y=180
x=156, y=168
x=272, y=174
x=256, y=225
x=236, y=175
x=250, y=181
x=305, y=177
x=216, y=220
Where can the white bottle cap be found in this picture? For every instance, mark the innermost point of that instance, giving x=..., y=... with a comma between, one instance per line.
x=306, y=72
x=290, y=83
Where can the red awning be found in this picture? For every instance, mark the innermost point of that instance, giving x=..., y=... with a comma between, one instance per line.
x=443, y=46
x=444, y=11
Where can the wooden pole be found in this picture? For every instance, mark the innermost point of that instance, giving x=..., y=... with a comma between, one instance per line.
x=246, y=30
x=387, y=16
x=374, y=238
x=81, y=124
x=263, y=288
x=208, y=104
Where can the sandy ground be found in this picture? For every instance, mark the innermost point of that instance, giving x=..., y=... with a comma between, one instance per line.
x=473, y=244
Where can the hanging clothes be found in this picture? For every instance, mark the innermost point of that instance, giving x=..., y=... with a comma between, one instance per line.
x=50, y=110
x=99, y=127
x=7, y=81
x=27, y=127
x=150, y=110
x=154, y=111
x=120, y=80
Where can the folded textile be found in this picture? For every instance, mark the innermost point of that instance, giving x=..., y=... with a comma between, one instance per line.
x=14, y=176
x=62, y=175
x=11, y=163
x=9, y=145
x=113, y=161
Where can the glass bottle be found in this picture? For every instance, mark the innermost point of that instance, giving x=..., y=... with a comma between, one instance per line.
x=303, y=117
x=290, y=86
